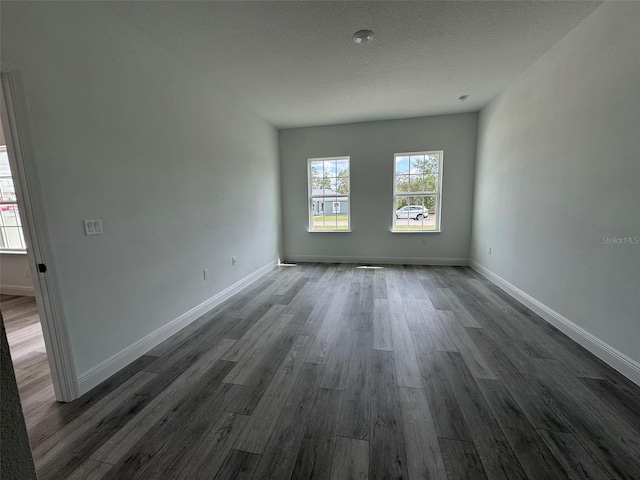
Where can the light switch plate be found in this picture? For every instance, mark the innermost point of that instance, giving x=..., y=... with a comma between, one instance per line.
x=92, y=226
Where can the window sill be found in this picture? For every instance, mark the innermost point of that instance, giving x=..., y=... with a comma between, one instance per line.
x=416, y=231
x=13, y=252
x=329, y=231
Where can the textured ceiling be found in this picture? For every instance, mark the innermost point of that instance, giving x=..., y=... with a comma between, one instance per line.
x=294, y=62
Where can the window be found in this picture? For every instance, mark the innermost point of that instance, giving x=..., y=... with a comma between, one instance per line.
x=329, y=197
x=417, y=191
x=11, y=237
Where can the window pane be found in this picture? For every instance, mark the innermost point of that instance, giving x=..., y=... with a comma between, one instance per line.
x=318, y=166
x=402, y=165
x=342, y=166
x=330, y=168
x=342, y=181
x=7, y=190
x=431, y=202
x=315, y=207
x=5, y=169
x=402, y=183
x=12, y=238
x=417, y=180
x=10, y=231
x=333, y=187
x=318, y=221
x=342, y=184
x=416, y=202
x=316, y=176
x=417, y=164
x=325, y=185
x=416, y=213
x=18, y=219
x=9, y=215
x=430, y=183
x=418, y=183
x=431, y=164
x=329, y=203
x=401, y=202
x=331, y=213
x=22, y=241
x=402, y=212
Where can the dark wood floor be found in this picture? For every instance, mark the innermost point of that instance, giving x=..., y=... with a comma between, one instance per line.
x=331, y=371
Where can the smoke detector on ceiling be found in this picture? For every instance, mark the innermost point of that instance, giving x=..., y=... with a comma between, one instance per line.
x=362, y=36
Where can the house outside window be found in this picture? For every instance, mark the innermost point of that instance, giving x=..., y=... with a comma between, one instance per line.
x=329, y=194
x=11, y=236
x=417, y=191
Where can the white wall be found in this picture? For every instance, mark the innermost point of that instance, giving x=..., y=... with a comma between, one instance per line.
x=559, y=168
x=15, y=277
x=182, y=176
x=371, y=146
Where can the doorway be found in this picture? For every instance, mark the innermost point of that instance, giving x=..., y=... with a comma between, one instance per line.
x=18, y=302
x=36, y=328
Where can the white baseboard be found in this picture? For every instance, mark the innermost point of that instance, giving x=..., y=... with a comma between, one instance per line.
x=605, y=352
x=463, y=262
x=117, y=362
x=16, y=290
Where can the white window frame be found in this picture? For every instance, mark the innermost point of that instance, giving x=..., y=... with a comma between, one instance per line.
x=23, y=249
x=312, y=197
x=438, y=193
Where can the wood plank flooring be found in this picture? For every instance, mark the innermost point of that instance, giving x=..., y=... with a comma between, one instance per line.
x=29, y=356
x=336, y=372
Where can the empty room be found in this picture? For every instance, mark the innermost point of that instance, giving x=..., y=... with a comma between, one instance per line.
x=320, y=240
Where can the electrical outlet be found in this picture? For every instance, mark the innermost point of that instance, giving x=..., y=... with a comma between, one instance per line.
x=205, y=273
x=489, y=250
x=234, y=260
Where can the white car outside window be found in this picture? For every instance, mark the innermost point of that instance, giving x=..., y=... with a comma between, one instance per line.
x=412, y=211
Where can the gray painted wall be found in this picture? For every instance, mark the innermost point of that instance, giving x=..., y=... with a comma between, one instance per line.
x=559, y=169
x=15, y=276
x=125, y=132
x=371, y=147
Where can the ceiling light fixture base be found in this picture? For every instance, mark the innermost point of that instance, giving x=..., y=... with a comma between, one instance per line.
x=362, y=36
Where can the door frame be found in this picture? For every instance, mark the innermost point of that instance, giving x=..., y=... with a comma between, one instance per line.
x=31, y=205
